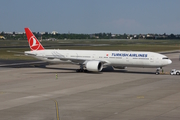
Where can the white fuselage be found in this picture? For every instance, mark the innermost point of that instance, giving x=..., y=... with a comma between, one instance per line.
x=110, y=58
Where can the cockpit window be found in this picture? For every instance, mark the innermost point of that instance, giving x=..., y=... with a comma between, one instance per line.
x=165, y=58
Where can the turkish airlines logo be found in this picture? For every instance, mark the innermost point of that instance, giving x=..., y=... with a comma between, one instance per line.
x=33, y=43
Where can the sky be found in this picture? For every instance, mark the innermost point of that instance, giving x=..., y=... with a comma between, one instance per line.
x=91, y=16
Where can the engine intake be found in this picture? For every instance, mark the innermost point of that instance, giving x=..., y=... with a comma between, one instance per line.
x=94, y=66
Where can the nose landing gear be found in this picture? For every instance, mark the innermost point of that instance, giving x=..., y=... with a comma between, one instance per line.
x=158, y=70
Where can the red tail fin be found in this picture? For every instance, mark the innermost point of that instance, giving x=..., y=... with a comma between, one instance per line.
x=34, y=44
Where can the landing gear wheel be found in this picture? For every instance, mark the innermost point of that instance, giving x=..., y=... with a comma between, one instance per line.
x=157, y=72
x=80, y=70
x=85, y=71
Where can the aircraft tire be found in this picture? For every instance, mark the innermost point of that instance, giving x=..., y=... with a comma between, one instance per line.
x=78, y=70
x=157, y=73
x=85, y=71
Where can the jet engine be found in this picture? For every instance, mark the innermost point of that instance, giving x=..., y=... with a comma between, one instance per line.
x=94, y=66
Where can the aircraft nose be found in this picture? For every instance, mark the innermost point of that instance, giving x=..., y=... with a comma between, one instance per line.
x=169, y=61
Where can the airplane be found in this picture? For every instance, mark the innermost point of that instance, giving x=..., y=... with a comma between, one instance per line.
x=95, y=60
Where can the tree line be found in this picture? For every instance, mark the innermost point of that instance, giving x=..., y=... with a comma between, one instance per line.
x=46, y=35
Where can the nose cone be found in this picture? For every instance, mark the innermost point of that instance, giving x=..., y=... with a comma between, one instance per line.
x=169, y=61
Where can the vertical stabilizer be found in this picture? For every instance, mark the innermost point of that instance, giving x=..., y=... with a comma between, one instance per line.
x=34, y=44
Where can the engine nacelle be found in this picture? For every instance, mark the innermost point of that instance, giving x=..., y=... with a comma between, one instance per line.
x=94, y=66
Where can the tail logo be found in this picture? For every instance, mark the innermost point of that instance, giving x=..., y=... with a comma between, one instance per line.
x=34, y=45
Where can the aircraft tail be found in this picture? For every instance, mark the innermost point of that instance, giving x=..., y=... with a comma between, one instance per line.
x=34, y=44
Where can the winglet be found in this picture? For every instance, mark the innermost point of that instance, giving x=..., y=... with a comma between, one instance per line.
x=34, y=44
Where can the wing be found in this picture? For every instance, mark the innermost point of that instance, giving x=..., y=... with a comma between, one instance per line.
x=73, y=60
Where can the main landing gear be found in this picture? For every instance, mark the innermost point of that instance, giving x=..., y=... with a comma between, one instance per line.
x=81, y=69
